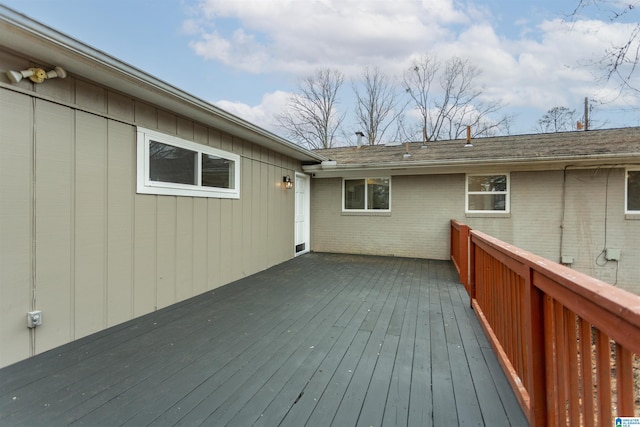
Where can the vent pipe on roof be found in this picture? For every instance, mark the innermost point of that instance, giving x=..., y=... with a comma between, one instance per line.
x=360, y=135
x=586, y=113
x=406, y=150
x=468, y=144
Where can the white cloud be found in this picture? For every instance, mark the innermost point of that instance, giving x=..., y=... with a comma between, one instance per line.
x=262, y=115
x=190, y=27
x=300, y=36
x=443, y=11
x=240, y=44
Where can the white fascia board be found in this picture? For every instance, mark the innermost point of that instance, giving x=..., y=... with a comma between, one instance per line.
x=44, y=44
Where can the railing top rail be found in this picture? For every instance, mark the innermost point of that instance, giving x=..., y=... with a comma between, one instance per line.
x=456, y=224
x=620, y=303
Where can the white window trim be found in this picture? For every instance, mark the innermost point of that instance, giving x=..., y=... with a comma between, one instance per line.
x=626, y=191
x=366, y=194
x=467, y=193
x=146, y=186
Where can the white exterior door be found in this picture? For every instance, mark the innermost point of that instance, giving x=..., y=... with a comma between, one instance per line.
x=302, y=220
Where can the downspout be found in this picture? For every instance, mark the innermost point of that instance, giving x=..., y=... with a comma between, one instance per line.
x=563, y=209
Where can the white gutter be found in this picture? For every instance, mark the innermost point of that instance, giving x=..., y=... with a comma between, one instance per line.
x=333, y=169
x=41, y=43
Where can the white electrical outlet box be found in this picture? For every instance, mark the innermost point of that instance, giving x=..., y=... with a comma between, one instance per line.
x=34, y=318
x=611, y=254
x=566, y=259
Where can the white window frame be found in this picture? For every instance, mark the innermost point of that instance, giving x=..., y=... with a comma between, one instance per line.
x=366, y=194
x=626, y=191
x=147, y=186
x=507, y=203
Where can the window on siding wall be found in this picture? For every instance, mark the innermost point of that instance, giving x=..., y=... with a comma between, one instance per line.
x=174, y=166
x=633, y=191
x=367, y=194
x=487, y=193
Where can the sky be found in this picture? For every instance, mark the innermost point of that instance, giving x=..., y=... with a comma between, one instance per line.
x=248, y=56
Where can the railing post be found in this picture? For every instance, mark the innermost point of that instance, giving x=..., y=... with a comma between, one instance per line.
x=471, y=265
x=452, y=245
x=535, y=345
x=464, y=255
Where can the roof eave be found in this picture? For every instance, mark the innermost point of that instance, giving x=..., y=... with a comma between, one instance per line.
x=335, y=169
x=46, y=45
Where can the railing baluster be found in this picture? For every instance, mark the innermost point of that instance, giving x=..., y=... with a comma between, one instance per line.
x=536, y=360
x=603, y=372
x=550, y=354
x=574, y=367
x=561, y=356
x=624, y=382
x=516, y=325
x=522, y=335
x=586, y=373
x=506, y=310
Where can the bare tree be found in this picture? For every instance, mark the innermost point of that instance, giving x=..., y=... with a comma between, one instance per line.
x=446, y=110
x=377, y=104
x=462, y=103
x=557, y=119
x=418, y=81
x=311, y=117
x=620, y=61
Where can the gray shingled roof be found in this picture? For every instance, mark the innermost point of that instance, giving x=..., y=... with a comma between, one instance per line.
x=596, y=147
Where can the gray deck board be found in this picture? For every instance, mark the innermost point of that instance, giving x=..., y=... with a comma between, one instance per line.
x=320, y=340
x=396, y=408
x=444, y=402
x=420, y=394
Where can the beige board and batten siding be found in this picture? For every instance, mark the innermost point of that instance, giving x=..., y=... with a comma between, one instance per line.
x=422, y=206
x=78, y=243
x=16, y=230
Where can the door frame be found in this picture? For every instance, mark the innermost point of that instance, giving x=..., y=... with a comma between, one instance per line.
x=303, y=180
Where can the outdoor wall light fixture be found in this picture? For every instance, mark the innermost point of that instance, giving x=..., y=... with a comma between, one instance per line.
x=288, y=184
x=36, y=75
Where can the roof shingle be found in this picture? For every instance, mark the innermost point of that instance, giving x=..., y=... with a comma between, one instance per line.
x=616, y=143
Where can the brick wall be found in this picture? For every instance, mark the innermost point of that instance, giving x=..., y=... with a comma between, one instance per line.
x=422, y=205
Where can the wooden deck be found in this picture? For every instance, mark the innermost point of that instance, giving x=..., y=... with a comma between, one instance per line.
x=320, y=340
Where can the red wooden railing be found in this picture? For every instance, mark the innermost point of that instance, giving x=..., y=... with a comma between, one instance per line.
x=567, y=342
x=459, y=250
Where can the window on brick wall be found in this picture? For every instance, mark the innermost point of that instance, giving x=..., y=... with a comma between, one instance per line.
x=366, y=194
x=487, y=193
x=633, y=191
